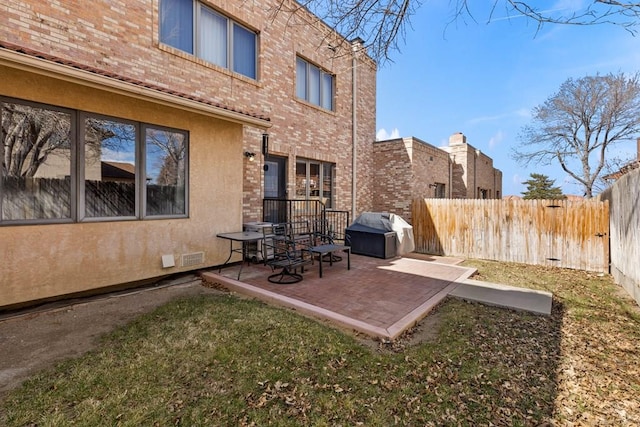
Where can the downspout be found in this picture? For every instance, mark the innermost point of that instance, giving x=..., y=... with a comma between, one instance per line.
x=354, y=102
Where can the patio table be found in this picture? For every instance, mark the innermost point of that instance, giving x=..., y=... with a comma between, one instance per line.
x=243, y=237
x=329, y=249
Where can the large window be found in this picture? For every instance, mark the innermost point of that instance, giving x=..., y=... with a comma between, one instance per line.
x=166, y=171
x=37, y=162
x=314, y=84
x=109, y=164
x=106, y=168
x=191, y=26
x=315, y=180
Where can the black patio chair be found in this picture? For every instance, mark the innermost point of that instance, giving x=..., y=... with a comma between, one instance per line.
x=324, y=235
x=288, y=251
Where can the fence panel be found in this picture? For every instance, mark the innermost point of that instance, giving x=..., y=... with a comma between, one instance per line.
x=625, y=232
x=571, y=234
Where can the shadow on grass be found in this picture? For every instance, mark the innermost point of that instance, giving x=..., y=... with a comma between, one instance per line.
x=229, y=361
x=493, y=365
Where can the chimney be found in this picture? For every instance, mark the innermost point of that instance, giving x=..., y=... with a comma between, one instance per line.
x=457, y=139
x=638, y=142
x=357, y=44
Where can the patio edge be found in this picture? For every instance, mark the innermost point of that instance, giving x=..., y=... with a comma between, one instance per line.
x=512, y=297
x=297, y=305
x=420, y=312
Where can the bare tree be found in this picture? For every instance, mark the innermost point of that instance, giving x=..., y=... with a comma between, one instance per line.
x=170, y=150
x=30, y=136
x=576, y=126
x=383, y=23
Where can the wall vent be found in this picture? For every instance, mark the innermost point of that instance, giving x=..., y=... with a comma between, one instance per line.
x=192, y=259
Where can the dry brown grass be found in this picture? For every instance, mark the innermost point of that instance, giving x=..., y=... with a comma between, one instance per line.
x=222, y=360
x=599, y=371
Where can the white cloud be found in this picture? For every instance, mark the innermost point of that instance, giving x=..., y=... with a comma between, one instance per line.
x=481, y=119
x=383, y=135
x=509, y=17
x=621, y=55
x=496, y=139
x=522, y=112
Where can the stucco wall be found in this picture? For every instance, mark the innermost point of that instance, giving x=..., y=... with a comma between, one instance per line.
x=122, y=37
x=47, y=260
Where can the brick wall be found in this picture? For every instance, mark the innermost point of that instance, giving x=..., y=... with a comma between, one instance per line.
x=122, y=37
x=409, y=168
x=431, y=165
x=406, y=169
x=393, y=177
x=472, y=170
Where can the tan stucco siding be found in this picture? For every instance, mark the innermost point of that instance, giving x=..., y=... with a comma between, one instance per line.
x=42, y=261
x=123, y=38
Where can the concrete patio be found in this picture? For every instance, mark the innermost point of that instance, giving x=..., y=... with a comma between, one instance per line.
x=378, y=297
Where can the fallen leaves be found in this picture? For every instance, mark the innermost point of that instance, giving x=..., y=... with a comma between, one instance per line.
x=238, y=362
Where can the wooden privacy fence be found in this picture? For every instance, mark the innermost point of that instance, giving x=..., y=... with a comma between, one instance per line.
x=571, y=234
x=625, y=231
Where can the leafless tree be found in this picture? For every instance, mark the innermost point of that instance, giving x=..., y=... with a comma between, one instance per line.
x=29, y=136
x=579, y=124
x=170, y=150
x=382, y=24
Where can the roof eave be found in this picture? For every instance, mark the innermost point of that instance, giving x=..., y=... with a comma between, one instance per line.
x=58, y=71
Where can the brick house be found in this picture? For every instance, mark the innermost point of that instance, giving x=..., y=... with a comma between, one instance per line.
x=409, y=168
x=183, y=91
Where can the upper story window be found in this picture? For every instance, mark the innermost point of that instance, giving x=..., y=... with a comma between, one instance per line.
x=63, y=165
x=314, y=84
x=191, y=26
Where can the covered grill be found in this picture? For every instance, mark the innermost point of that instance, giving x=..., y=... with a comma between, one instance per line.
x=380, y=235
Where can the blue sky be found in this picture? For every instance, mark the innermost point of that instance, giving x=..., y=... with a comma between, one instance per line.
x=483, y=79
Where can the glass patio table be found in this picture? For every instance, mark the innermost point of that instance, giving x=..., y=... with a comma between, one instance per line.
x=242, y=237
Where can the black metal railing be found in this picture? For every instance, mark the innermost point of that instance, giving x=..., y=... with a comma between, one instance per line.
x=333, y=222
x=337, y=222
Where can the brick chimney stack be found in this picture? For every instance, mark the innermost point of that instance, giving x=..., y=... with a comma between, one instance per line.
x=459, y=138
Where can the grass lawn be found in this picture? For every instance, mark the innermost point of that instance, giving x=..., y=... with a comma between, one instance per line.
x=223, y=360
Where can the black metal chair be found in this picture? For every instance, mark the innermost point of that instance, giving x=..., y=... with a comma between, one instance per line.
x=287, y=247
x=324, y=235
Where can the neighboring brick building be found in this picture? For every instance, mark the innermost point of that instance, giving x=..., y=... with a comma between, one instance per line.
x=184, y=91
x=408, y=168
x=473, y=175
